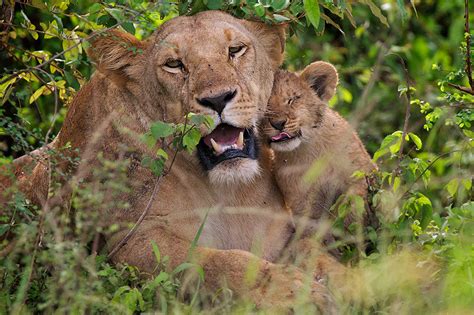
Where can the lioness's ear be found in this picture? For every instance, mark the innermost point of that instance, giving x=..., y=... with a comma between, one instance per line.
x=272, y=37
x=322, y=77
x=115, y=50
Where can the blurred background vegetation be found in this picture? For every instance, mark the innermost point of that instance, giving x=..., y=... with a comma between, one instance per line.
x=404, y=85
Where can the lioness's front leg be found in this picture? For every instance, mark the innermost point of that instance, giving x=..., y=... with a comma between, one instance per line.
x=272, y=285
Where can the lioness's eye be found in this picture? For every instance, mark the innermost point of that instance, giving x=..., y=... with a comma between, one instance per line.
x=237, y=51
x=173, y=66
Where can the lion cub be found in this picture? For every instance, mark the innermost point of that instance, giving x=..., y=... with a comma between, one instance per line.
x=316, y=150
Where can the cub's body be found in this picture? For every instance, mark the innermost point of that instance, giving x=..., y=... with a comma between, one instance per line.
x=316, y=150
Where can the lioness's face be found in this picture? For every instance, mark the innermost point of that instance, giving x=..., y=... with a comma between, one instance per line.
x=216, y=65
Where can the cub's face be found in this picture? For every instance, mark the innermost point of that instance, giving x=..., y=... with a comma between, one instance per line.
x=296, y=105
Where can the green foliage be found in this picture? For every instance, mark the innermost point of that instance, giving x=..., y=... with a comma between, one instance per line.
x=184, y=136
x=422, y=193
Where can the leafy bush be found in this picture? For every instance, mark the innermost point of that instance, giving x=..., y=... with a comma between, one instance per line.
x=405, y=84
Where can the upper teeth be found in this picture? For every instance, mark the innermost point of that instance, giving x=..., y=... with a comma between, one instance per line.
x=240, y=140
x=221, y=148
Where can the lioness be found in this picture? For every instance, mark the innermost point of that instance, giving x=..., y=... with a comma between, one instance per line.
x=305, y=134
x=229, y=77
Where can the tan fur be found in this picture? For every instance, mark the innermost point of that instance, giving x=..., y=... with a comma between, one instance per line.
x=131, y=90
x=327, y=145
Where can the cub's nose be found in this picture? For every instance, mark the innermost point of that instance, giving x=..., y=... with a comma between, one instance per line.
x=278, y=124
x=217, y=102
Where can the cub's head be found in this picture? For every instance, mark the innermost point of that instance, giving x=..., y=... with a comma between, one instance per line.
x=297, y=104
x=211, y=64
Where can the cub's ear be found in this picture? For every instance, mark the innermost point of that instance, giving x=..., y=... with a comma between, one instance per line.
x=114, y=51
x=322, y=77
x=271, y=37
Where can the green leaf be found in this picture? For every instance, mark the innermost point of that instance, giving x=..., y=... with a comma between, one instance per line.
x=119, y=292
x=376, y=11
x=396, y=183
x=416, y=140
x=71, y=80
x=162, y=153
x=5, y=85
x=390, y=143
x=160, y=129
x=4, y=228
x=198, y=120
x=279, y=5
x=117, y=14
x=187, y=265
x=197, y=237
x=467, y=183
x=214, y=4
x=401, y=8
x=38, y=4
x=259, y=9
x=148, y=139
x=59, y=24
x=280, y=18
x=163, y=276
x=155, y=165
x=191, y=139
x=452, y=187
x=425, y=209
x=94, y=8
x=129, y=27
x=312, y=12
x=156, y=252
x=37, y=94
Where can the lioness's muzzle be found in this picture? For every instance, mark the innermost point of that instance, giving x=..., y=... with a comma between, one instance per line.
x=226, y=142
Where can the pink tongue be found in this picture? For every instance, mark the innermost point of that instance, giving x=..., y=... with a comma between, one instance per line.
x=281, y=136
x=223, y=135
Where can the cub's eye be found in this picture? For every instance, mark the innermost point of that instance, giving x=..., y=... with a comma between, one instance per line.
x=173, y=66
x=291, y=100
x=237, y=51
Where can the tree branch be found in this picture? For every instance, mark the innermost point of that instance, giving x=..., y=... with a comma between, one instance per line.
x=468, y=68
x=461, y=88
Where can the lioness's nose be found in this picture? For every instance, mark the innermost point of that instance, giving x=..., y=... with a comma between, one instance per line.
x=217, y=102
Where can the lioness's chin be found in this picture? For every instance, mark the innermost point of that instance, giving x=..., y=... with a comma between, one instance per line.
x=287, y=145
x=234, y=171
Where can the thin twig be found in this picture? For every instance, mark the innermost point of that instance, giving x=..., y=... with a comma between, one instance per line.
x=152, y=197
x=461, y=88
x=139, y=221
x=468, y=45
x=407, y=110
x=56, y=105
x=427, y=168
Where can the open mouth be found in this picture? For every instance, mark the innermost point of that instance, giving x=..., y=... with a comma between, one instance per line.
x=283, y=136
x=224, y=143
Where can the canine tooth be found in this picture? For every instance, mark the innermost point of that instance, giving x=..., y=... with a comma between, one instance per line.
x=216, y=146
x=240, y=140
